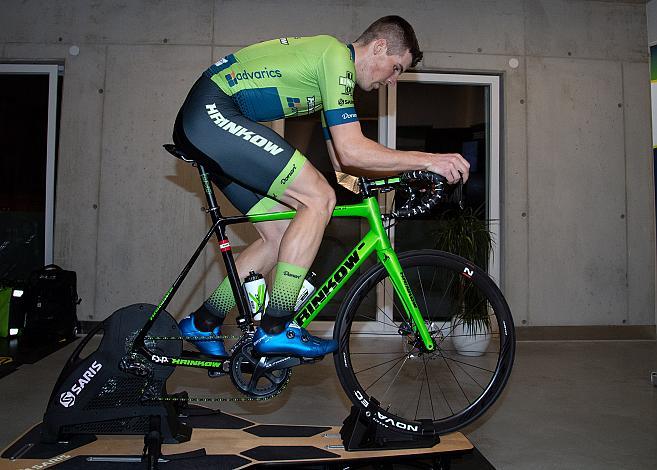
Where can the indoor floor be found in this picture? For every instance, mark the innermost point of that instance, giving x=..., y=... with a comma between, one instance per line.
x=568, y=405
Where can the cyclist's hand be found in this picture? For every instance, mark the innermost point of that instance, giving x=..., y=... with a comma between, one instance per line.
x=450, y=165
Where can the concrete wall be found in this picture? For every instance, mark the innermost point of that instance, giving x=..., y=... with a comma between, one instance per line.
x=578, y=222
x=651, y=10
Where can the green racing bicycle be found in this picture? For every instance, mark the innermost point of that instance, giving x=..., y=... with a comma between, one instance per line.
x=397, y=327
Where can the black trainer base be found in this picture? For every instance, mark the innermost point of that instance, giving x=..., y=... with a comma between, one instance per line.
x=359, y=432
x=94, y=396
x=224, y=441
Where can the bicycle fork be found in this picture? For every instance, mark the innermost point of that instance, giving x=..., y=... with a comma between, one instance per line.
x=388, y=258
x=403, y=290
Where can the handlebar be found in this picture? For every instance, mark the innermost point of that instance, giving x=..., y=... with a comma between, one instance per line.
x=424, y=189
x=418, y=203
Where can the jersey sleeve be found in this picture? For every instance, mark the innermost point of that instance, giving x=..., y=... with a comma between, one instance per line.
x=337, y=78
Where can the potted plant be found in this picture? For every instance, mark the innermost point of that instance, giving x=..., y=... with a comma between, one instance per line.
x=465, y=233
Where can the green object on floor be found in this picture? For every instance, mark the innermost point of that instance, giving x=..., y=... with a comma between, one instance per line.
x=5, y=298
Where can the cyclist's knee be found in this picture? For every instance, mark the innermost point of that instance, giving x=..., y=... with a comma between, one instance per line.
x=330, y=200
x=321, y=201
x=311, y=191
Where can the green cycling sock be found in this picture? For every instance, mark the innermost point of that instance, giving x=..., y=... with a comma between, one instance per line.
x=221, y=301
x=287, y=284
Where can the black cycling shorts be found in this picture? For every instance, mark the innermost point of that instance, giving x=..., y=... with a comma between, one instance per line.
x=246, y=160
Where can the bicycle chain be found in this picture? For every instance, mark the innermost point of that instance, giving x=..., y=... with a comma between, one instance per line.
x=206, y=399
x=192, y=338
x=212, y=399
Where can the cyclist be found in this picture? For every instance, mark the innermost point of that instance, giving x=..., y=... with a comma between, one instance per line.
x=258, y=171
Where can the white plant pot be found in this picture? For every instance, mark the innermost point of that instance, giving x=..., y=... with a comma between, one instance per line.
x=470, y=340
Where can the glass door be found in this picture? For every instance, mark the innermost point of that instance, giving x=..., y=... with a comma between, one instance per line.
x=28, y=129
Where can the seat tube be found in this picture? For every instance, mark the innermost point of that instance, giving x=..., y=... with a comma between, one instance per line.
x=224, y=244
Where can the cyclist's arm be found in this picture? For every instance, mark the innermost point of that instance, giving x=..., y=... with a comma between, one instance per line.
x=335, y=161
x=329, y=144
x=333, y=156
x=358, y=155
x=354, y=171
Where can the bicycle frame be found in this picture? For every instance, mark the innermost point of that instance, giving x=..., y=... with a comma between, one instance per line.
x=375, y=240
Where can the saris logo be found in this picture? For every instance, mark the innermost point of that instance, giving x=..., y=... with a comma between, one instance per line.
x=67, y=399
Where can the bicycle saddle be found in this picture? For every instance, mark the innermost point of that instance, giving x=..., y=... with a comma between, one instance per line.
x=176, y=152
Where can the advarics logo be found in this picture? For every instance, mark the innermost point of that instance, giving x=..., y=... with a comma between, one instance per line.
x=232, y=78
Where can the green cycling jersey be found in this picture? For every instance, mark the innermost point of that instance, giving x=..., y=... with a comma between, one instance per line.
x=288, y=77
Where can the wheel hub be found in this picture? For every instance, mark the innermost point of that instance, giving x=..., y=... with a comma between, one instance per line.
x=413, y=344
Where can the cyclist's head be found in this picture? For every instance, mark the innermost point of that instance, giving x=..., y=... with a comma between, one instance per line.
x=398, y=34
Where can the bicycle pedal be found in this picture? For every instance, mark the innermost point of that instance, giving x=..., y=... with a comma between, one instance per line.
x=197, y=355
x=215, y=373
x=311, y=360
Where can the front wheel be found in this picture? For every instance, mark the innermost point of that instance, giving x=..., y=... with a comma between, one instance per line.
x=383, y=366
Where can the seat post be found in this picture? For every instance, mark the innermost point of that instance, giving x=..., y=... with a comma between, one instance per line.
x=213, y=208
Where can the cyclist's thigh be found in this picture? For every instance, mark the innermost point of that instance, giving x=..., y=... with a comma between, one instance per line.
x=249, y=203
x=243, y=198
x=308, y=185
x=243, y=151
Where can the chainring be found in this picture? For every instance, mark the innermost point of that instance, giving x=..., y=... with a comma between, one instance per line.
x=252, y=375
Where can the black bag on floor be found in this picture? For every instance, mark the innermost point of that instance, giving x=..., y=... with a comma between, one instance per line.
x=51, y=303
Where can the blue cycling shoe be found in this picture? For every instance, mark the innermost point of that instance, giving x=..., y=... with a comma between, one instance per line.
x=210, y=348
x=293, y=341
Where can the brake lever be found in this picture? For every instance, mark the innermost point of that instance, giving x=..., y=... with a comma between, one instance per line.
x=459, y=194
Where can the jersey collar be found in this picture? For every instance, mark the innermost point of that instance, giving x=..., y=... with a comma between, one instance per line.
x=352, y=52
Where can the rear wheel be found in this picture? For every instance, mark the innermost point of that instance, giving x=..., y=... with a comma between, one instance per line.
x=383, y=366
